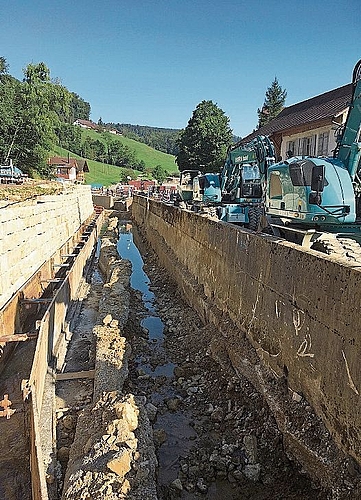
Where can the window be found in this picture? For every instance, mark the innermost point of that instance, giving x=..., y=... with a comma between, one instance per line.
x=322, y=147
x=301, y=173
x=275, y=185
x=291, y=147
x=307, y=146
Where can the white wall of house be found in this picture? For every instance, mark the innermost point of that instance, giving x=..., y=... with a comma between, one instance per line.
x=316, y=142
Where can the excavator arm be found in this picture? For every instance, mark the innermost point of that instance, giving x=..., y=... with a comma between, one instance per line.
x=349, y=148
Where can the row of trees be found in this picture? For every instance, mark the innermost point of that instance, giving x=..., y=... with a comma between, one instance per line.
x=162, y=139
x=203, y=144
x=35, y=113
x=110, y=151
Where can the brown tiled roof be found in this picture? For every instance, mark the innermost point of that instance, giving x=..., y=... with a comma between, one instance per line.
x=82, y=166
x=62, y=162
x=321, y=107
x=87, y=123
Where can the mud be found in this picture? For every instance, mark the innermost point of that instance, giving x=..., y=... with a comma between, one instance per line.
x=213, y=433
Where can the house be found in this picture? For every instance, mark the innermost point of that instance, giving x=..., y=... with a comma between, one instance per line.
x=310, y=127
x=68, y=169
x=82, y=166
x=86, y=124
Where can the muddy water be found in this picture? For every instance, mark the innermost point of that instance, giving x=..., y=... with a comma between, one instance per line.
x=153, y=362
x=176, y=424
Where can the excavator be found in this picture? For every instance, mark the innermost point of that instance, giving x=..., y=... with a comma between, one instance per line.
x=235, y=194
x=241, y=182
x=316, y=201
x=198, y=191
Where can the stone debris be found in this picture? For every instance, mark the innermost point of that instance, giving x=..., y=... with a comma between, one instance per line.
x=125, y=442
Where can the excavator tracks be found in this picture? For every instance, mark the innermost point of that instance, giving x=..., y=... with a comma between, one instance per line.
x=345, y=249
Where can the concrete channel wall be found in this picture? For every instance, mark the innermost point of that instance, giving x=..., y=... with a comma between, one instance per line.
x=288, y=318
x=32, y=231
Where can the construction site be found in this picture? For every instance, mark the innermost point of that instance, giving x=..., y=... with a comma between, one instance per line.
x=203, y=344
x=151, y=352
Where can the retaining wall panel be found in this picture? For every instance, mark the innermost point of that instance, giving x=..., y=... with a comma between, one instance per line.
x=299, y=309
x=32, y=231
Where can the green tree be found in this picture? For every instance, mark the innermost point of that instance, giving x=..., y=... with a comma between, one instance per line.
x=141, y=166
x=4, y=67
x=159, y=173
x=273, y=104
x=80, y=109
x=127, y=174
x=43, y=105
x=203, y=143
x=9, y=111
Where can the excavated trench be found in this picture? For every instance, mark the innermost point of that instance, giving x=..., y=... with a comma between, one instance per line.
x=214, y=435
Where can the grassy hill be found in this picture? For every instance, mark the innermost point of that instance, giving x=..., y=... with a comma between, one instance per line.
x=100, y=173
x=150, y=156
x=104, y=174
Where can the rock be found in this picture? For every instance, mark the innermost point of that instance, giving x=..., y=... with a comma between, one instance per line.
x=201, y=485
x=296, y=397
x=160, y=436
x=217, y=415
x=176, y=485
x=173, y=404
x=63, y=454
x=107, y=320
x=50, y=478
x=151, y=411
x=69, y=422
x=129, y=412
x=252, y=472
x=250, y=444
x=121, y=463
x=237, y=474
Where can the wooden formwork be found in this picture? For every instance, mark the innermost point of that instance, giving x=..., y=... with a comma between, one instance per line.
x=73, y=258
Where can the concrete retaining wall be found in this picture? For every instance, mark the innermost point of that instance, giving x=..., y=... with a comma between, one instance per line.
x=299, y=311
x=31, y=231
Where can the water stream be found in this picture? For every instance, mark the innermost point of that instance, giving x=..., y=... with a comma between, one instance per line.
x=176, y=423
x=179, y=425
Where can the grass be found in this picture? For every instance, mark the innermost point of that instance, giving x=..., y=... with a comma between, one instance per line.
x=106, y=175
x=99, y=173
x=29, y=190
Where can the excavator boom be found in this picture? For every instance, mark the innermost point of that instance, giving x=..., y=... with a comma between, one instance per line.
x=348, y=150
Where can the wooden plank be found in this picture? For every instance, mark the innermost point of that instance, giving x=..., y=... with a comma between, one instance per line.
x=36, y=301
x=75, y=375
x=18, y=337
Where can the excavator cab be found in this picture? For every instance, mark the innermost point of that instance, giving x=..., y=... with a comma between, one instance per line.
x=310, y=191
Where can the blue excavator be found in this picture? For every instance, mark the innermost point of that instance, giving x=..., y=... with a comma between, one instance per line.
x=316, y=201
x=235, y=194
x=241, y=182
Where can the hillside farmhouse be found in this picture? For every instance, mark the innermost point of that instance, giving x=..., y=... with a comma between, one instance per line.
x=86, y=124
x=310, y=127
x=69, y=169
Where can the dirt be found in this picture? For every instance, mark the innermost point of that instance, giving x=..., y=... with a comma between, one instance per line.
x=214, y=434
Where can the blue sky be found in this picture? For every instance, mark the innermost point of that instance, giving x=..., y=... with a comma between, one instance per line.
x=150, y=62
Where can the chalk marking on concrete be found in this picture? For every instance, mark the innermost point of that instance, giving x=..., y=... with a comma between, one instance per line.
x=278, y=308
x=261, y=350
x=298, y=318
x=305, y=345
x=350, y=381
x=255, y=304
